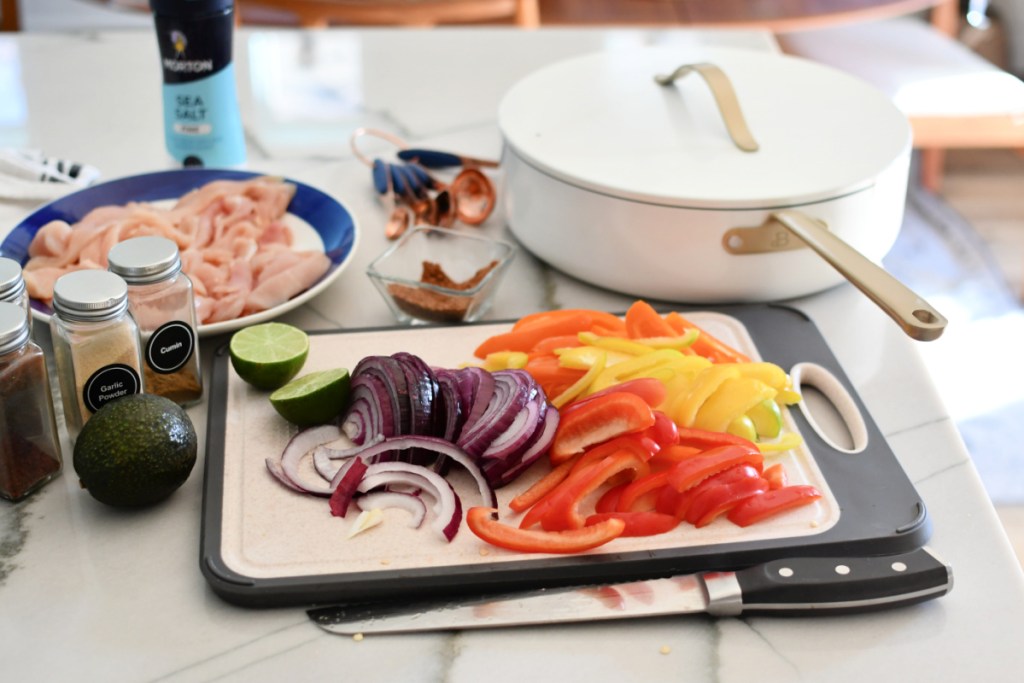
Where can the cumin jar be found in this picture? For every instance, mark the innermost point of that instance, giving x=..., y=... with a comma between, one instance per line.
x=162, y=302
x=29, y=447
x=95, y=344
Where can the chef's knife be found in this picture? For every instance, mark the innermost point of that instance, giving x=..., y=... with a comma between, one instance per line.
x=794, y=586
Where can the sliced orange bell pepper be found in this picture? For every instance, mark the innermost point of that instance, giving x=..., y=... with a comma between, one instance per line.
x=643, y=321
x=706, y=345
x=607, y=321
x=481, y=522
x=527, y=337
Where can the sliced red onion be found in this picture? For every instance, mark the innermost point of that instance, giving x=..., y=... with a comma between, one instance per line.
x=326, y=459
x=298, y=447
x=414, y=505
x=512, y=390
x=439, y=446
x=448, y=506
x=345, y=483
x=545, y=435
x=274, y=466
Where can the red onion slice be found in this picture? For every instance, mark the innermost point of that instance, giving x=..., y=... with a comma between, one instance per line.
x=414, y=505
x=448, y=506
x=298, y=447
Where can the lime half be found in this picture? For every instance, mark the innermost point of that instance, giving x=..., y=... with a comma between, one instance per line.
x=268, y=355
x=316, y=398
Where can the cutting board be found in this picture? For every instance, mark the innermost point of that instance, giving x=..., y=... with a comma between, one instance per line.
x=264, y=545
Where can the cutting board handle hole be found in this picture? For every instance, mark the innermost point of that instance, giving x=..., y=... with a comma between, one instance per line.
x=829, y=409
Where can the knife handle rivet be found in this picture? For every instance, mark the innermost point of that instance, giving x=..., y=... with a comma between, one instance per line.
x=899, y=567
x=785, y=572
x=842, y=569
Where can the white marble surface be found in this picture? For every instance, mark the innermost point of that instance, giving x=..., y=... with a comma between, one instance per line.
x=91, y=593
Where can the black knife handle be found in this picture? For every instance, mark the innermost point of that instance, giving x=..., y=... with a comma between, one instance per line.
x=828, y=585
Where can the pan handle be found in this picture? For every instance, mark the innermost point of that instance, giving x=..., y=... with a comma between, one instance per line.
x=725, y=98
x=917, y=318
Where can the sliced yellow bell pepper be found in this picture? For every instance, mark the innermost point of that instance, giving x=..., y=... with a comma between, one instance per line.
x=638, y=366
x=733, y=398
x=584, y=357
x=704, y=386
x=785, y=442
x=582, y=384
x=505, y=360
x=769, y=373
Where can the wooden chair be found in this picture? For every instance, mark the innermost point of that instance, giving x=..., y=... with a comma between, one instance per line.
x=9, y=18
x=952, y=97
x=323, y=13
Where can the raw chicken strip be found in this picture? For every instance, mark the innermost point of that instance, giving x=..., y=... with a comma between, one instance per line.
x=234, y=243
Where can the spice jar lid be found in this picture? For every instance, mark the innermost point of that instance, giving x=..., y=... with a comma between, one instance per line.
x=144, y=260
x=12, y=284
x=90, y=295
x=13, y=327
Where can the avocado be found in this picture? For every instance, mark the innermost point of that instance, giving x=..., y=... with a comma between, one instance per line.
x=135, y=451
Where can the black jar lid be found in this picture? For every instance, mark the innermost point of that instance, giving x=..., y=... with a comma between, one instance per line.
x=190, y=9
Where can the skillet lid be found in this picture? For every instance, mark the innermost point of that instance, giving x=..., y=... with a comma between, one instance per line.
x=601, y=122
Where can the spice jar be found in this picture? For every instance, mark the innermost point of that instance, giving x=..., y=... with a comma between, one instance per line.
x=160, y=299
x=95, y=344
x=29, y=449
x=12, y=286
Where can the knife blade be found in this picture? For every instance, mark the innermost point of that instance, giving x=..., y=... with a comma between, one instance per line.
x=792, y=586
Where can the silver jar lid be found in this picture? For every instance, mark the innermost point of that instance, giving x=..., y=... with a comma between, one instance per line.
x=13, y=327
x=144, y=260
x=12, y=284
x=91, y=295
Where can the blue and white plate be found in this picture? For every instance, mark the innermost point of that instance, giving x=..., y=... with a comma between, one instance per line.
x=317, y=221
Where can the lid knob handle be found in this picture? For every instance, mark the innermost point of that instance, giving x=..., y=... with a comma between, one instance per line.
x=725, y=98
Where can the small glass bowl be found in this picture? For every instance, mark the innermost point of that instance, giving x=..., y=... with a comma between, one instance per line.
x=438, y=275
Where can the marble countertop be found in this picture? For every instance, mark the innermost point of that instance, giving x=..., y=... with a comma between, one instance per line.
x=91, y=593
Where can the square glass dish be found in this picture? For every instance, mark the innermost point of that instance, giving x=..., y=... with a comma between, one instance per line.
x=438, y=275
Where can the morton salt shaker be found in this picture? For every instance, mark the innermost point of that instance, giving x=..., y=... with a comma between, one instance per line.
x=12, y=286
x=29, y=449
x=161, y=301
x=95, y=344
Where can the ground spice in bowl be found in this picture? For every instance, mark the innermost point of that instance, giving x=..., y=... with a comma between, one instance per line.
x=429, y=304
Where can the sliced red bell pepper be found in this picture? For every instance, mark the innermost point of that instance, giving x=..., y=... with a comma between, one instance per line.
x=546, y=347
x=638, y=488
x=638, y=444
x=609, y=500
x=705, y=439
x=677, y=503
x=689, y=473
x=542, y=486
x=772, y=503
x=776, y=476
x=665, y=432
x=560, y=510
x=638, y=523
x=481, y=522
x=672, y=456
x=597, y=421
x=713, y=501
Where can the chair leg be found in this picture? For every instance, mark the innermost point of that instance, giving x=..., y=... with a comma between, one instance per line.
x=527, y=13
x=932, y=163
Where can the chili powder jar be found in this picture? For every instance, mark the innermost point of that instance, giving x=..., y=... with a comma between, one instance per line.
x=12, y=286
x=161, y=300
x=29, y=448
x=95, y=344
